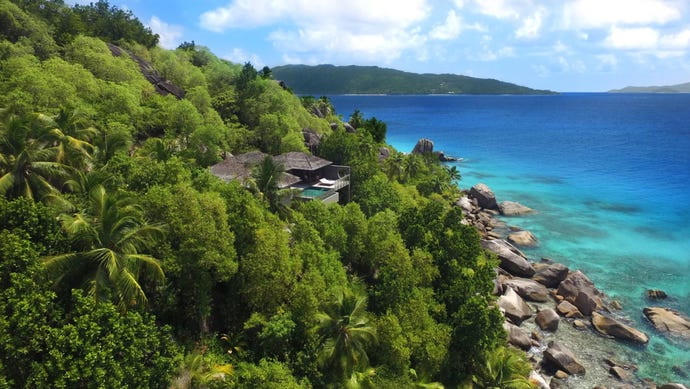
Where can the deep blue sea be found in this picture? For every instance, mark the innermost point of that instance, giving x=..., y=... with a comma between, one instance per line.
x=609, y=175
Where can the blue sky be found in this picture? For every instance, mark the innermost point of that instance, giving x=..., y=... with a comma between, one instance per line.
x=563, y=45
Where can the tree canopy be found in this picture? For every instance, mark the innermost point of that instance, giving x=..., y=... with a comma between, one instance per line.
x=125, y=263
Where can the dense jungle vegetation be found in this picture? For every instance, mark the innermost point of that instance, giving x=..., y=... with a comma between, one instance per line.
x=125, y=263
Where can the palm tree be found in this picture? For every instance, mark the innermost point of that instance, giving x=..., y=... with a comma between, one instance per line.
x=72, y=135
x=453, y=174
x=345, y=333
x=28, y=165
x=412, y=167
x=109, y=236
x=504, y=368
x=394, y=165
x=267, y=177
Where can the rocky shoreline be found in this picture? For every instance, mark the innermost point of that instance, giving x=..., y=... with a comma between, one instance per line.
x=557, y=315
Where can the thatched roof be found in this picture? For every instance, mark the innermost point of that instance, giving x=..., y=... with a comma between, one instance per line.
x=240, y=167
x=301, y=161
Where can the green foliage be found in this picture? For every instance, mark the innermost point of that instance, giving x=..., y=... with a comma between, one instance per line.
x=286, y=286
x=504, y=368
x=267, y=374
x=337, y=80
x=195, y=259
x=114, y=24
x=345, y=335
x=108, y=239
x=92, y=346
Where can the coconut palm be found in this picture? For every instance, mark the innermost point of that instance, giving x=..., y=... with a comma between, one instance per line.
x=453, y=174
x=504, y=368
x=28, y=165
x=345, y=334
x=108, y=261
x=394, y=165
x=72, y=135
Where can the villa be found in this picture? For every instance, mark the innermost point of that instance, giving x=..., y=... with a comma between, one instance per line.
x=310, y=177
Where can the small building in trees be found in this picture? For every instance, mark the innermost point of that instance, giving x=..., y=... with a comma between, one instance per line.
x=308, y=176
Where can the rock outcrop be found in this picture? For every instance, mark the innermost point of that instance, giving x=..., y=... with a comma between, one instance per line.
x=512, y=260
x=423, y=146
x=656, y=294
x=522, y=238
x=568, y=310
x=528, y=289
x=484, y=195
x=611, y=327
x=669, y=322
x=580, y=290
x=349, y=128
x=563, y=359
x=547, y=319
x=514, y=307
x=513, y=208
x=550, y=275
x=517, y=336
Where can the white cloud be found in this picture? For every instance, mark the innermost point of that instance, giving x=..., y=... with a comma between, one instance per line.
x=459, y=3
x=449, y=30
x=353, y=13
x=576, y=66
x=607, y=62
x=531, y=25
x=588, y=14
x=357, y=29
x=241, y=56
x=500, y=9
x=639, y=38
x=169, y=34
x=680, y=40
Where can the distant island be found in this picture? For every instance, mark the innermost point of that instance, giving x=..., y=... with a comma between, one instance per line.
x=330, y=79
x=680, y=88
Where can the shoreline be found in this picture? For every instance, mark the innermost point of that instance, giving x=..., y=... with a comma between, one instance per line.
x=604, y=359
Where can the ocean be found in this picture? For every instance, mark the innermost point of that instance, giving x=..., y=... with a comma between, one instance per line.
x=609, y=175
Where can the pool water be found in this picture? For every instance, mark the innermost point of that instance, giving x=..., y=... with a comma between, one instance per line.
x=314, y=192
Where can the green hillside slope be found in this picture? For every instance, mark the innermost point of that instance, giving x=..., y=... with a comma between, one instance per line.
x=680, y=88
x=330, y=79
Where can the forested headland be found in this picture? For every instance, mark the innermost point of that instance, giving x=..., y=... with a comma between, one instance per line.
x=125, y=263
x=340, y=80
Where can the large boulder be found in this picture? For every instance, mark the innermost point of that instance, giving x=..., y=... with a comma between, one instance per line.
x=513, y=208
x=349, y=128
x=563, y=359
x=512, y=260
x=484, y=195
x=673, y=386
x=517, y=336
x=547, y=319
x=567, y=309
x=528, y=289
x=423, y=146
x=465, y=203
x=551, y=275
x=586, y=303
x=668, y=321
x=611, y=327
x=522, y=238
x=514, y=307
x=577, y=283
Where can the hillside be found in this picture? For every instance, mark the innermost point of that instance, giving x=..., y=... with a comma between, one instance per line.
x=679, y=88
x=330, y=79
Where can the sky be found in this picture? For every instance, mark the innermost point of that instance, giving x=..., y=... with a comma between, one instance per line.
x=561, y=45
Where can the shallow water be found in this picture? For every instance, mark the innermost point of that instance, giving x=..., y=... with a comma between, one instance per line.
x=608, y=174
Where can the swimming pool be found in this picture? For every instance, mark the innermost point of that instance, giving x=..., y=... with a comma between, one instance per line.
x=314, y=192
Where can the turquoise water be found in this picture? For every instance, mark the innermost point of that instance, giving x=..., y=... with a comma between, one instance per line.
x=314, y=192
x=608, y=174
